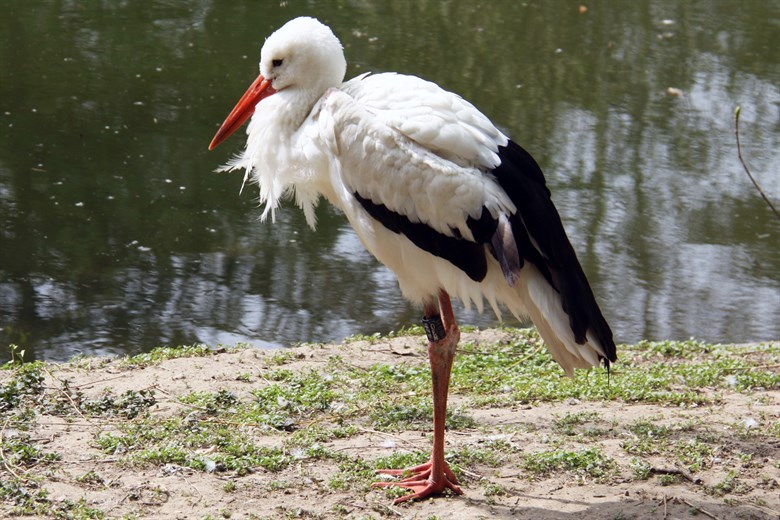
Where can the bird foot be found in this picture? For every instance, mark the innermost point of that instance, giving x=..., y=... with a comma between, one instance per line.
x=421, y=480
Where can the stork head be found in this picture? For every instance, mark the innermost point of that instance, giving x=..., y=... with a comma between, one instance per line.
x=303, y=53
x=304, y=57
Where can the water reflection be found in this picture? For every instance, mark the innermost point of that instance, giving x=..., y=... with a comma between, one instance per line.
x=115, y=237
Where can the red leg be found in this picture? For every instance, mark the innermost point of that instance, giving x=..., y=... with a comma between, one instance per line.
x=434, y=476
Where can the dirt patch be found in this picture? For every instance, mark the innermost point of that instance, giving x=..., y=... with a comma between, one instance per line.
x=719, y=459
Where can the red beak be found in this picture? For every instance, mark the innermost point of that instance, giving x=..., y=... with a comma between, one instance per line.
x=259, y=89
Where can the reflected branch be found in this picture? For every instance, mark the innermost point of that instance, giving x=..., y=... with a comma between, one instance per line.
x=745, y=166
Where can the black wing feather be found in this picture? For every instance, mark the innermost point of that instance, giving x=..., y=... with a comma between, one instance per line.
x=466, y=255
x=541, y=240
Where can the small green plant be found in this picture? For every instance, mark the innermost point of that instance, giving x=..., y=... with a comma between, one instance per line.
x=729, y=485
x=648, y=438
x=641, y=469
x=281, y=406
x=278, y=485
x=29, y=498
x=674, y=349
x=26, y=384
x=130, y=404
x=492, y=490
x=371, y=338
x=469, y=455
x=159, y=354
x=417, y=330
x=216, y=403
x=354, y=474
x=91, y=477
x=401, y=460
x=588, y=461
x=696, y=453
x=567, y=424
x=17, y=355
x=20, y=451
x=281, y=357
x=24, y=494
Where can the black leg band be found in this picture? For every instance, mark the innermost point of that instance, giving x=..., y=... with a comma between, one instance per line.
x=434, y=328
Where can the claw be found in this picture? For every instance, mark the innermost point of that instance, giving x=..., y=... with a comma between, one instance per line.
x=421, y=481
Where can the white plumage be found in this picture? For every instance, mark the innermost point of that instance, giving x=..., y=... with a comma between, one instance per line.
x=432, y=188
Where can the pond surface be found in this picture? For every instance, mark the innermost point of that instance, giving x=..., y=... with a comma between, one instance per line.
x=116, y=236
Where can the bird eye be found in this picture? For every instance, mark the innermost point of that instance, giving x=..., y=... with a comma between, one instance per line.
x=277, y=63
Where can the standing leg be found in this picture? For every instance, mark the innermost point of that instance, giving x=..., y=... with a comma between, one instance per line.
x=434, y=476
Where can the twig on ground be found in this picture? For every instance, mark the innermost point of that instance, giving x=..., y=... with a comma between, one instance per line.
x=389, y=349
x=532, y=354
x=766, y=367
x=88, y=461
x=471, y=474
x=6, y=463
x=390, y=435
x=370, y=508
x=66, y=394
x=200, y=495
x=104, y=380
x=73, y=425
x=397, y=512
x=677, y=471
x=745, y=166
x=697, y=508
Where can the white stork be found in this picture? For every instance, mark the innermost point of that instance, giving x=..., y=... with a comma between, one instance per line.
x=433, y=190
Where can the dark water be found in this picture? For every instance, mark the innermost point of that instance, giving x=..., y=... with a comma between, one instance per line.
x=116, y=237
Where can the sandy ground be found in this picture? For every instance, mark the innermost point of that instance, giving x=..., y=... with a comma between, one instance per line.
x=175, y=492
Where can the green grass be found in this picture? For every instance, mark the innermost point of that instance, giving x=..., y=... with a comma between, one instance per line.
x=293, y=398
x=574, y=423
x=591, y=462
x=91, y=478
x=159, y=354
x=129, y=404
x=25, y=384
x=730, y=484
x=211, y=403
x=696, y=453
x=509, y=373
x=412, y=330
x=641, y=469
x=20, y=451
x=490, y=454
x=178, y=440
x=647, y=438
x=26, y=498
x=356, y=473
